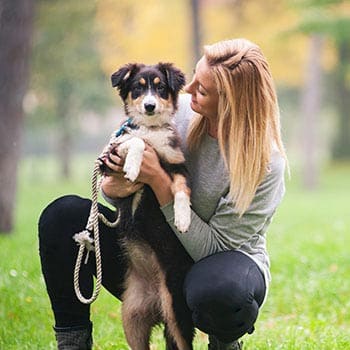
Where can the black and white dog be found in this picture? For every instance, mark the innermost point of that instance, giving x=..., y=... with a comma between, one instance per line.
x=157, y=262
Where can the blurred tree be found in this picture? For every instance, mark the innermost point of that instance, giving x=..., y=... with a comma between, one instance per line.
x=67, y=78
x=196, y=30
x=332, y=19
x=16, y=18
x=310, y=111
x=341, y=146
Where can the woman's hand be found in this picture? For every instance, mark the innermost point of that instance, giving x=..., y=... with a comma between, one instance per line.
x=152, y=174
x=150, y=169
x=114, y=184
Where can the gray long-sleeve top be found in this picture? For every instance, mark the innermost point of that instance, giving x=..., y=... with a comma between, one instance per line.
x=215, y=223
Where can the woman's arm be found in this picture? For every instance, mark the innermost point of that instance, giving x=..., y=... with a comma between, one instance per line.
x=226, y=230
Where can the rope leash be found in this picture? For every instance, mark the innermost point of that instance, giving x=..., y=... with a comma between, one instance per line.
x=84, y=238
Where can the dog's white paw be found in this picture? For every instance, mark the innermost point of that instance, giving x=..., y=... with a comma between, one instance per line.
x=131, y=171
x=133, y=149
x=182, y=211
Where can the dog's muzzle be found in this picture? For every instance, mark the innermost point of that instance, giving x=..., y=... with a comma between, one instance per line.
x=149, y=108
x=150, y=104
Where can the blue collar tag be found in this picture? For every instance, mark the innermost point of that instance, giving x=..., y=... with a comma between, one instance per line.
x=121, y=130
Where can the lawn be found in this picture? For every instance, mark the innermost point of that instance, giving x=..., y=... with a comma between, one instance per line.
x=309, y=301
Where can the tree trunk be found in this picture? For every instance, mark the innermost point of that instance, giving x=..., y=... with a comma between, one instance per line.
x=341, y=147
x=16, y=21
x=196, y=31
x=310, y=112
x=65, y=144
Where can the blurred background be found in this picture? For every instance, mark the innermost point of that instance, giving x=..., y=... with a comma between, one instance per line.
x=56, y=58
x=58, y=109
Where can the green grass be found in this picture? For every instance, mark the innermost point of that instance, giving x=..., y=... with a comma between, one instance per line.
x=309, y=301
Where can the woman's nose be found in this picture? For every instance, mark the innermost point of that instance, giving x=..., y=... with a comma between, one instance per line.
x=189, y=87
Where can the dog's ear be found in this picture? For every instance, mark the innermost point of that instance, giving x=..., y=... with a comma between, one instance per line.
x=176, y=79
x=123, y=74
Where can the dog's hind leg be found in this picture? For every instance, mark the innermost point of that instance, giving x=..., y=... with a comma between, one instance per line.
x=181, y=328
x=169, y=340
x=137, y=331
x=138, y=314
x=177, y=343
x=175, y=339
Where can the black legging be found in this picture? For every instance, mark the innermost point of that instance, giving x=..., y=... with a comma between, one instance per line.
x=224, y=290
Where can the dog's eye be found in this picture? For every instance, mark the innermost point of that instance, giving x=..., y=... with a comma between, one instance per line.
x=160, y=89
x=137, y=89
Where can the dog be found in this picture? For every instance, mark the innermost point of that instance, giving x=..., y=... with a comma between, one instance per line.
x=157, y=262
x=150, y=96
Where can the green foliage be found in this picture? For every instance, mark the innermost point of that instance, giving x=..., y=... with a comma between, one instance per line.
x=328, y=17
x=66, y=64
x=308, y=306
x=318, y=3
x=337, y=28
x=331, y=20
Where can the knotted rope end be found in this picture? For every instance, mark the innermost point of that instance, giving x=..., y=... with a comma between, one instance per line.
x=83, y=238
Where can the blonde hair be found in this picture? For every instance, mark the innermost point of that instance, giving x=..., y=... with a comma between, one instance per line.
x=248, y=115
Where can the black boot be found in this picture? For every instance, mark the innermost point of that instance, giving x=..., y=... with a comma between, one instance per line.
x=215, y=344
x=74, y=338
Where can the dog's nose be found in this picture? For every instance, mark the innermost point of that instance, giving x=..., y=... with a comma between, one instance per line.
x=150, y=107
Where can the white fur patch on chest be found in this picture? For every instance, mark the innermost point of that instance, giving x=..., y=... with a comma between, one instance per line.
x=160, y=139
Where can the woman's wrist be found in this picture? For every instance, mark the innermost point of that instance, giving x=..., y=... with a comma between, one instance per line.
x=161, y=186
x=116, y=187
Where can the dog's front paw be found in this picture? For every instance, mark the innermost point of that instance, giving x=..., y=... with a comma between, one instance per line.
x=182, y=211
x=131, y=171
x=133, y=149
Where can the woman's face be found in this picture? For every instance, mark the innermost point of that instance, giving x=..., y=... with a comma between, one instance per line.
x=204, y=92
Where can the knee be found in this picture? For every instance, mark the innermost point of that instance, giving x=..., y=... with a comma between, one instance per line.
x=226, y=318
x=64, y=215
x=221, y=305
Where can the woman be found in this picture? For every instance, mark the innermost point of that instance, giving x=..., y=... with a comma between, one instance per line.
x=236, y=162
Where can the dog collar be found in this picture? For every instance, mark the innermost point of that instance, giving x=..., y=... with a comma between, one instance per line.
x=125, y=125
